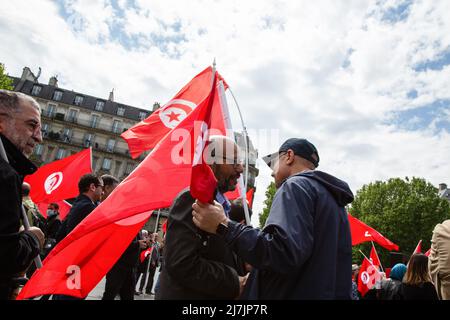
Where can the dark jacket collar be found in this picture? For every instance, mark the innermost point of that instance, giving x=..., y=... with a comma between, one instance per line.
x=16, y=159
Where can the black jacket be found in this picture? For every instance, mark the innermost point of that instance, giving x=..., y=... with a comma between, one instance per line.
x=305, y=250
x=81, y=208
x=17, y=249
x=197, y=265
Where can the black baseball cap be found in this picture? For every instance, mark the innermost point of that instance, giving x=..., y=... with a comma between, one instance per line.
x=301, y=147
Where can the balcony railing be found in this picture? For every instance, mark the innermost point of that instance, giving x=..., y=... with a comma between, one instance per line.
x=85, y=123
x=84, y=143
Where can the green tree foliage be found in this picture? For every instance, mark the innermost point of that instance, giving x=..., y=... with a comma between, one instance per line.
x=404, y=211
x=270, y=193
x=5, y=81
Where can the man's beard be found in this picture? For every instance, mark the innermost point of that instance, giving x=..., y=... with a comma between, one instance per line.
x=226, y=185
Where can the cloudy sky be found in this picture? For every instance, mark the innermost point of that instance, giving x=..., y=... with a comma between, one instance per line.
x=368, y=82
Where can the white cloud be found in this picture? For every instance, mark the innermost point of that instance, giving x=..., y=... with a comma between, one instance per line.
x=283, y=60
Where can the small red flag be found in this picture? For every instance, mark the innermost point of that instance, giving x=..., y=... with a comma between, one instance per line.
x=374, y=257
x=58, y=180
x=418, y=248
x=145, y=253
x=362, y=233
x=233, y=195
x=367, y=277
x=428, y=252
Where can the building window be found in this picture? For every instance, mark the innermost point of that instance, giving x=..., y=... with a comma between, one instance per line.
x=45, y=129
x=38, y=149
x=94, y=163
x=60, y=154
x=117, y=125
x=142, y=115
x=117, y=169
x=72, y=117
x=36, y=90
x=129, y=168
x=67, y=134
x=110, y=145
x=88, y=140
x=95, y=119
x=57, y=95
x=99, y=105
x=78, y=100
x=106, y=165
x=51, y=110
x=120, y=111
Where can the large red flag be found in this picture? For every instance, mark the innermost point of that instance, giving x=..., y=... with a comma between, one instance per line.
x=147, y=133
x=97, y=242
x=362, y=233
x=64, y=208
x=374, y=257
x=59, y=180
x=367, y=277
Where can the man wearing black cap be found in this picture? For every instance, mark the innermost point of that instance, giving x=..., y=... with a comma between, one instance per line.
x=304, y=251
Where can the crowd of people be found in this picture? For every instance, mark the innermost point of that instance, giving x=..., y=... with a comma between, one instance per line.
x=304, y=250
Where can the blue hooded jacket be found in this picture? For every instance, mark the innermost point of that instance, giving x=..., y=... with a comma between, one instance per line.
x=304, y=251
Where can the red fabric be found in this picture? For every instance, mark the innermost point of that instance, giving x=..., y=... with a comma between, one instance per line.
x=428, y=252
x=64, y=208
x=388, y=272
x=418, y=248
x=367, y=277
x=59, y=180
x=374, y=257
x=203, y=182
x=235, y=194
x=164, y=227
x=147, y=133
x=362, y=233
x=145, y=253
x=99, y=240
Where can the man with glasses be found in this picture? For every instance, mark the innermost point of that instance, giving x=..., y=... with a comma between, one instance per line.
x=304, y=251
x=20, y=123
x=90, y=187
x=199, y=265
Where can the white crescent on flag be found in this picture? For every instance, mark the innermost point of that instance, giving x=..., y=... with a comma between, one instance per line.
x=175, y=111
x=52, y=182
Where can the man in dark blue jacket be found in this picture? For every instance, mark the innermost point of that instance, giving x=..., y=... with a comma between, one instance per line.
x=304, y=251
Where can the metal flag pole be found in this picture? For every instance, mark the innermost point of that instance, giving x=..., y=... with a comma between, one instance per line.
x=229, y=127
x=26, y=223
x=150, y=258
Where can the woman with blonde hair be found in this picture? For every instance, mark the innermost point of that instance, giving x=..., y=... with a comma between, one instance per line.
x=417, y=283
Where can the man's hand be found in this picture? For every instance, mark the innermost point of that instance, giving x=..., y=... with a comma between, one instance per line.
x=39, y=234
x=242, y=282
x=142, y=244
x=208, y=216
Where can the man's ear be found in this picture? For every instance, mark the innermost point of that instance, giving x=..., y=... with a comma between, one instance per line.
x=290, y=157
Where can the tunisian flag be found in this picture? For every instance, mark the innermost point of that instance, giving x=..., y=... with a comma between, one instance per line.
x=367, y=277
x=147, y=133
x=144, y=254
x=362, y=233
x=418, y=248
x=58, y=180
x=77, y=264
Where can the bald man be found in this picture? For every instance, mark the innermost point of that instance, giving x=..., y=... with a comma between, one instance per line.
x=20, y=131
x=199, y=265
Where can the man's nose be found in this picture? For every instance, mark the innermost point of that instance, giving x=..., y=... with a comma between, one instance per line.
x=37, y=135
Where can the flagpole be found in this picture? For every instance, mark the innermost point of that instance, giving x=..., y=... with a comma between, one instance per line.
x=381, y=266
x=242, y=185
x=26, y=223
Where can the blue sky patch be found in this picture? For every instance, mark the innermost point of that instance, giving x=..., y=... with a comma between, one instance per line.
x=398, y=13
x=438, y=64
x=422, y=117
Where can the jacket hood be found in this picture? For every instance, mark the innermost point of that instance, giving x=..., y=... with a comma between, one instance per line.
x=338, y=188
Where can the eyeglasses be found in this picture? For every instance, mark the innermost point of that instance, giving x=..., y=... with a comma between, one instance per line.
x=235, y=161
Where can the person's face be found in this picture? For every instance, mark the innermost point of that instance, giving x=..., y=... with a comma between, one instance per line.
x=23, y=128
x=229, y=171
x=50, y=207
x=280, y=167
x=97, y=191
x=107, y=190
